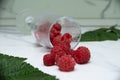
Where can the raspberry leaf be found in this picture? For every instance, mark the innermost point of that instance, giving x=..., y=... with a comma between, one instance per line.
x=15, y=68
x=115, y=30
x=101, y=34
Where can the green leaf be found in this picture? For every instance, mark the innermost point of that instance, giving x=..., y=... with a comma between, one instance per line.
x=116, y=31
x=101, y=34
x=89, y=36
x=107, y=36
x=15, y=68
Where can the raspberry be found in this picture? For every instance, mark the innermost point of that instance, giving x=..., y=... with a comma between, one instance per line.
x=81, y=55
x=65, y=47
x=55, y=31
x=48, y=60
x=66, y=63
x=56, y=49
x=52, y=36
x=56, y=40
x=67, y=38
x=70, y=51
x=57, y=52
x=59, y=55
x=57, y=26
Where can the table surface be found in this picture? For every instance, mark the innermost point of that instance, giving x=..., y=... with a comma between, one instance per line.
x=104, y=63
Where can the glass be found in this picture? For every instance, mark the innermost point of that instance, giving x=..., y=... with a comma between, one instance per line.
x=40, y=27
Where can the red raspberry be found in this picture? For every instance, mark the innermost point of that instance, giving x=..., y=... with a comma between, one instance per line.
x=65, y=47
x=81, y=55
x=67, y=38
x=52, y=36
x=66, y=63
x=48, y=60
x=70, y=51
x=57, y=26
x=56, y=49
x=57, y=52
x=54, y=32
x=56, y=40
x=59, y=55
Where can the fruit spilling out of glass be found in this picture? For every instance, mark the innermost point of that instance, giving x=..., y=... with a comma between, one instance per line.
x=61, y=54
x=61, y=35
x=45, y=29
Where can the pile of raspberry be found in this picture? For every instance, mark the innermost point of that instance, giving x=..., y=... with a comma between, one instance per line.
x=61, y=53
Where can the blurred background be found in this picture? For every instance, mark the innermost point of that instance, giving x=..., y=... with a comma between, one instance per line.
x=90, y=13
